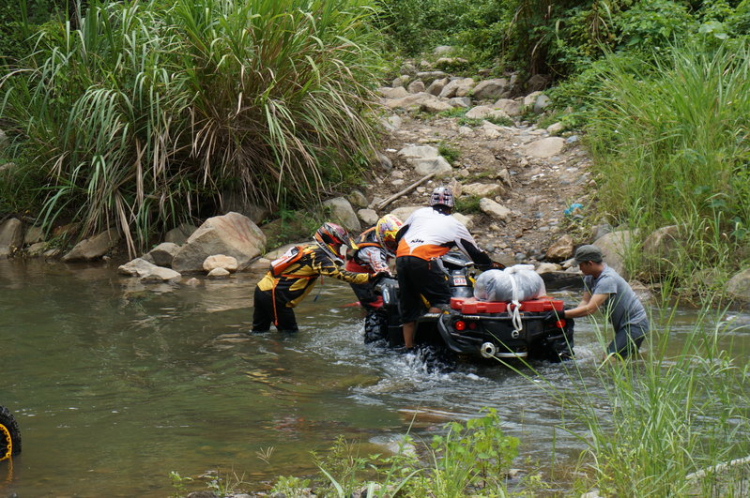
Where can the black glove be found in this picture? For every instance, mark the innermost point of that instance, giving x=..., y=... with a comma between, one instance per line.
x=553, y=316
x=377, y=277
x=497, y=266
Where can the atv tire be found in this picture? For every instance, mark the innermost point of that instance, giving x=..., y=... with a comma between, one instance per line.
x=376, y=326
x=10, y=435
x=437, y=359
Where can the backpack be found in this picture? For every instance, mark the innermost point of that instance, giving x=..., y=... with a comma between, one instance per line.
x=280, y=264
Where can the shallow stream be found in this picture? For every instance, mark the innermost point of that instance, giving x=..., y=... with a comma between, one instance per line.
x=115, y=384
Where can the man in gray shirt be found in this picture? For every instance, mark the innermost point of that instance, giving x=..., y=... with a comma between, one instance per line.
x=603, y=287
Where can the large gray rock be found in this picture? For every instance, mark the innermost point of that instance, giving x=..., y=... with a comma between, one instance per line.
x=36, y=249
x=458, y=87
x=94, y=247
x=436, y=87
x=343, y=213
x=738, y=286
x=435, y=106
x=545, y=148
x=180, y=234
x=494, y=209
x=231, y=234
x=464, y=102
x=368, y=216
x=492, y=131
x=416, y=86
x=147, y=272
x=426, y=160
x=227, y=263
x=530, y=99
x=357, y=199
x=416, y=100
x=483, y=189
x=615, y=247
x=511, y=107
x=163, y=254
x=485, y=112
x=491, y=89
x=437, y=166
x=541, y=103
x=660, y=249
x=11, y=237
x=430, y=76
x=393, y=93
x=561, y=250
x=33, y=235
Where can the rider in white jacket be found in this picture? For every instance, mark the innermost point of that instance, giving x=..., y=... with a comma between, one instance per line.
x=428, y=234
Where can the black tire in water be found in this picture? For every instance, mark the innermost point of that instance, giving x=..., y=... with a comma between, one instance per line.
x=376, y=326
x=437, y=359
x=10, y=435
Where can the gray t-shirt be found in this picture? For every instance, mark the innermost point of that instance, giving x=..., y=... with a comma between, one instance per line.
x=623, y=306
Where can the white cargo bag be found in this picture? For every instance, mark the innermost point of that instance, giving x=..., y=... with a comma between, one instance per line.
x=513, y=284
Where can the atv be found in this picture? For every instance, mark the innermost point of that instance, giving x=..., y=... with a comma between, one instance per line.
x=473, y=329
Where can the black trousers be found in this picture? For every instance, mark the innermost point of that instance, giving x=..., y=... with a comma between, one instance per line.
x=268, y=311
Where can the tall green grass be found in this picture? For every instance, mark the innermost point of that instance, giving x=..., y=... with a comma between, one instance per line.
x=670, y=140
x=663, y=418
x=667, y=423
x=151, y=110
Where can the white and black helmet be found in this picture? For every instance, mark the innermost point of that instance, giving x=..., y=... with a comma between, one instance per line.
x=442, y=196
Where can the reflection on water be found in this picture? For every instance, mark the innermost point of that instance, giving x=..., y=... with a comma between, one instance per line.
x=115, y=384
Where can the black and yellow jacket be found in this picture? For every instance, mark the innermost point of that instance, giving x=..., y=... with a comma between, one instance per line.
x=298, y=279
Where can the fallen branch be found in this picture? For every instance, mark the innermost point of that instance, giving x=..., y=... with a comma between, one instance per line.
x=405, y=191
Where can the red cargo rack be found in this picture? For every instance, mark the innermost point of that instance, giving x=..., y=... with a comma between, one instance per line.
x=470, y=305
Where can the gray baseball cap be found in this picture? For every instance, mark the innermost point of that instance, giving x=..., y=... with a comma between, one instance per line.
x=588, y=253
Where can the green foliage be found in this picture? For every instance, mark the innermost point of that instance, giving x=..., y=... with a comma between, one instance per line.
x=474, y=122
x=670, y=147
x=149, y=114
x=293, y=226
x=291, y=487
x=471, y=455
x=670, y=416
x=500, y=120
x=228, y=485
x=179, y=484
x=19, y=22
x=345, y=464
x=455, y=112
x=451, y=154
x=468, y=204
x=653, y=24
x=476, y=449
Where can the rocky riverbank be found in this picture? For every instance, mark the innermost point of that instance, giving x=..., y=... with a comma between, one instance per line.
x=525, y=192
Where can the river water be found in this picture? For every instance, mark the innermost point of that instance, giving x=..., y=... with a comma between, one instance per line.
x=115, y=384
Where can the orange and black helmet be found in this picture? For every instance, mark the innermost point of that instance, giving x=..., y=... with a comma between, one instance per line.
x=331, y=237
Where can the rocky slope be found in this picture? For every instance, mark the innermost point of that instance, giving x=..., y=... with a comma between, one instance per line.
x=515, y=180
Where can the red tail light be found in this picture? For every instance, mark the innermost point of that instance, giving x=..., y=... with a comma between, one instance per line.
x=460, y=325
x=560, y=324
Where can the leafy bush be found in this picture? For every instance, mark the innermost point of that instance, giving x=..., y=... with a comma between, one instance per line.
x=670, y=147
x=148, y=113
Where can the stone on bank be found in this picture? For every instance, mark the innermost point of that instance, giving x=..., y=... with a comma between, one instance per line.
x=231, y=234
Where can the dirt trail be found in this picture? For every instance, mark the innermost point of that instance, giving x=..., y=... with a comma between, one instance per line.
x=536, y=189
